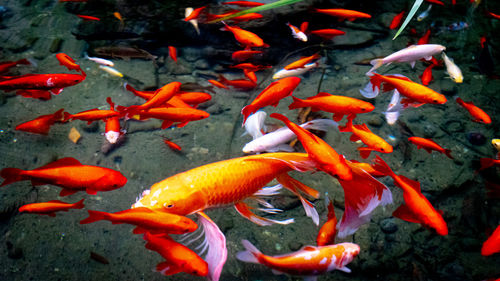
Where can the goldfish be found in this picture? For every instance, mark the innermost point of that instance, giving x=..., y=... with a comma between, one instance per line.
x=396, y=21
x=244, y=37
x=493, y=15
x=7, y=65
x=492, y=244
x=244, y=54
x=343, y=14
x=51, y=207
x=283, y=73
x=69, y=174
x=193, y=98
x=250, y=66
x=425, y=38
x=237, y=19
x=271, y=95
x=327, y=232
x=488, y=162
x=325, y=157
x=41, y=125
x=435, y=2
x=415, y=93
x=160, y=96
x=429, y=145
x=85, y=17
x=452, y=69
x=193, y=22
x=111, y=71
x=91, y=115
x=243, y=84
x=178, y=258
x=112, y=130
x=416, y=208
x=367, y=167
x=118, y=16
x=171, y=115
x=373, y=142
x=409, y=54
x=297, y=33
x=338, y=105
x=301, y=62
x=172, y=51
x=243, y=3
x=194, y=14
x=250, y=75
x=53, y=83
x=145, y=220
x=424, y=14
x=328, y=33
x=217, y=84
x=426, y=77
x=477, y=113
x=35, y=94
x=172, y=145
x=309, y=261
x=276, y=140
x=100, y=61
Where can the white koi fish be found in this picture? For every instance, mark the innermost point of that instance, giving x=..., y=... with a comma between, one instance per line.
x=255, y=124
x=111, y=71
x=100, y=61
x=452, y=69
x=295, y=72
x=393, y=109
x=297, y=33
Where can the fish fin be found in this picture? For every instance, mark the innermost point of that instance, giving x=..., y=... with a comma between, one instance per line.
x=167, y=268
x=277, y=272
x=404, y=213
x=91, y=191
x=447, y=152
x=297, y=103
x=354, y=138
x=294, y=186
x=320, y=124
x=382, y=167
x=337, y=117
x=365, y=152
x=139, y=230
x=166, y=124
x=94, y=216
x=485, y=163
x=63, y=162
x=11, y=175
x=371, y=90
x=362, y=127
x=217, y=252
x=182, y=124
x=246, y=111
x=414, y=184
x=251, y=254
x=79, y=204
x=344, y=269
x=347, y=127
x=66, y=192
x=244, y=210
x=56, y=91
x=376, y=64
x=412, y=64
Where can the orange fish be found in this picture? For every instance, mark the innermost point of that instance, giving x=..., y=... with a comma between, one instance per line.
x=326, y=234
x=85, y=17
x=361, y=132
x=426, y=77
x=244, y=55
x=416, y=208
x=194, y=98
x=244, y=3
x=477, y=113
x=217, y=84
x=429, y=145
x=112, y=130
x=172, y=51
x=194, y=14
x=396, y=21
x=160, y=96
x=69, y=174
x=250, y=66
x=242, y=84
x=41, y=125
x=50, y=208
x=328, y=33
x=171, y=115
x=309, y=261
x=7, y=65
x=271, y=95
x=178, y=258
x=366, y=167
x=250, y=75
x=492, y=244
x=494, y=15
x=146, y=220
x=91, y=115
x=488, y=162
x=338, y=105
x=54, y=83
x=237, y=19
x=297, y=33
x=301, y=62
x=244, y=37
x=424, y=39
x=326, y=158
x=343, y=14
x=172, y=145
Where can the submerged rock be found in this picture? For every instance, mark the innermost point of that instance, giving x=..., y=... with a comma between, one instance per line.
x=475, y=138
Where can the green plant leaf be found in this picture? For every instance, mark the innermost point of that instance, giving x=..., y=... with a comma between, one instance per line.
x=413, y=10
x=258, y=9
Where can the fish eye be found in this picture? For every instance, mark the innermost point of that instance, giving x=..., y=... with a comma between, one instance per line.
x=168, y=206
x=435, y=101
x=382, y=149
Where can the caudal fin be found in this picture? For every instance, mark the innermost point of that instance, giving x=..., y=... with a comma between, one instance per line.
x=485, y=163
x=347, y=127
x=297, y=103
x=447, y=152
x=320, y=125
x=376, y=64
x=94, y=216
x=382, y=167
x=79, y=205
x=11, y=175
x=250, y=255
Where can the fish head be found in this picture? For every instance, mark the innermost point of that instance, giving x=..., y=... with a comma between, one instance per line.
x=366, y=107
x=110, y=181
x=384, y=147
x=196, y=266
x=438, y=99
x=457, y=77
x=496, y=143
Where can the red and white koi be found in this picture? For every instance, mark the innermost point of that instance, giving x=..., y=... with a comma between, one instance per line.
x=297, y=33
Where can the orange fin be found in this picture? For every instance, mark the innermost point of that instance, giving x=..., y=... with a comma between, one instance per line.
x=414, y=184
x=66, y=192
x=167, y=268
x=365, y=152
x=63, y=162
x=245, y=211
x=404, y=213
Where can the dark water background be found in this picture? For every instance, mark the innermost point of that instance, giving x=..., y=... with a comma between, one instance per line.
x=36, y=247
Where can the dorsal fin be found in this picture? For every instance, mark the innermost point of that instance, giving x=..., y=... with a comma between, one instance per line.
x=399, y=77
x=309, y=248
x=55, y=201
x=63, y=162
x=323, y=94
x=414, y=184
x=362, y=127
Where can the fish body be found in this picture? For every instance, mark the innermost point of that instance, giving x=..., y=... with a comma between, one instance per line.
x=309, y=261
x=171, y=115
x=243, y=84
x=429, y=145
x=194, y=14
x=250, y=66
x=343, y=14
x=488, y=162
x=244, y=37
x=194, y=97
x=91, y=115
x=327, y=232
x=111, y=71
x=172, y=52
x=160, y=96
x=373, y=142
x=50, y=208
x=255, y=124
x=124, y=52
x=425, y=38
x=69, y=174
x=194, y=22
x=271, y=95
x=327, y=33
x=244, y=55
x=435, y=2
x=172, y=145
x=89, y=18
x=338, y=105
x=112, y=129
x=426, y=77
x=416, y=208
x=35, y=94
x=424, y=14
x=50, y=82
x=452, y=69
x=297, y=33
x=409, y=54
x=283, y=73
x=396, y=21
x=100, y=61
x=492, y=244
x=301, y=62
x=41, y=125
x=7, y=65
x=477, y=113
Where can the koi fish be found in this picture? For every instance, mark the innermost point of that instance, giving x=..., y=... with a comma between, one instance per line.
x=271, y=95
x=194, y=22
x=325, y=157
x=254, y=124
x=452, y=69
x=429, y=145
x=488, y=162
x=244, y=55
x=327, y=33
x=424, y=39
x=111, y=71
x=50, y=208
x=54, y=83
x=309, y=261
x=171, y=115
x=301, y=62
x=7, y=65
x=327, y=232
x=243, y=3
x=373, y=142
x=396, y=21
x=343, y=14
x=415, y=94
x=283, y=73
x=297, y=33
x=242, y=84
x=100, y=61
x=424, y=14
x=145, y=220
x=91, y=115
x=492, y=244
x=244, y=37
x=172, y=51
x=477, y=113
x=112, y=130
x=409, y=54
x=41, y=125
x=194, y=14
x=179, y=258
x=172, y=145
x=276, y=140
x=338, y=105
x=426, y=77
x=416, y=208
x=69, y=174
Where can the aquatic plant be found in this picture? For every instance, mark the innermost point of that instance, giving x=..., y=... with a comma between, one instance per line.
x=258, y=9
x=413, y=10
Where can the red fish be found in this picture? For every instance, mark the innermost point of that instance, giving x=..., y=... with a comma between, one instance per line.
x=171, y=115
x=50, y=208
x=343, y=14
x=146, y=220
x=492, y=244
x=396, y=21
x=41, y=125
x=326, y=234
x=477, y=113
x=217, y=84
x=244, y=55
x=85, y=17
x=435, y=2
x=328, y=33
x=488, y=162
x=424, y=39
x=250, y=66
x=68, y=62
x=172, y=145
x=244, y=3
x=91, y=115
x=244, y=37
x=373, y=142
x=69, y=174
x=426, y=77
x=271, y=95
x=35, y=94
x=429, y=145
x=250, y=75
x=194, y=14
x=178, y=258
x=172, y=51
x=243, y=84
x=160, y=96
x=54, y=83
x=194, y=98
x=7, y=65
x=494, y=15
x=416, y=208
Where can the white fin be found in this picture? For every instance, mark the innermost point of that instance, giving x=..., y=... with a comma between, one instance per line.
x=320, y=124
x=251, y=253
x=217, y=252
x=393, y=108
x=277, y=272
x=310, y=278
x=344, y=269
x=412, y=64
x=369, y=92
x=268, y=190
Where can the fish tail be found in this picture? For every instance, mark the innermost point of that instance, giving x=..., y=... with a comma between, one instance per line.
x=11, y=175
x=67, y=116
x=447, y=152
x=79, y=204
x=320, y=124
x=372, y=89
x=251, y=254
x=347, y=127
x=94, y=216
x=295, y=186
x=246, y=111
x=376, y=64
x=485, y=163
x=297, y=103
x=381, y=166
